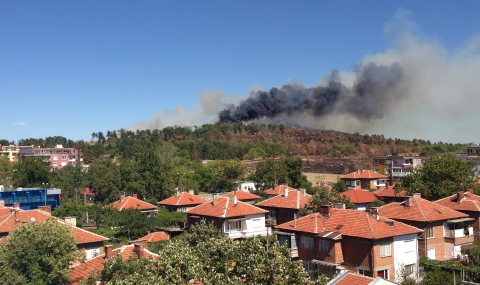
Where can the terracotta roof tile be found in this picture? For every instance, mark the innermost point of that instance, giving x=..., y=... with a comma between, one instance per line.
x=469, y=202
x=294, y=200
x=182, y=199
x=132, y=202
x=389, y=192
x=278, y=189
x=155, y=237
x=365, y=174
x=420, y=210
x=359, y=196
x=350, y=278
x=225, y=208
x=349, y=223
x=242, y=195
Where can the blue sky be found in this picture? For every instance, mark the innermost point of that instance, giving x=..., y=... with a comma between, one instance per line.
x=71, y=68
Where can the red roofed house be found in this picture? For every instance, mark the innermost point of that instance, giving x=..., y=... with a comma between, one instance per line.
x=182, y=201
x=446, y=230
x=350, y=278
x=155, y=237
x=365, y=179
x=284, y=207
x=276, y=190
x=338, y=239
x=235, y=219
x=81, y=271
x=387, y=194
x=132, y=202
x=468, y=203
x=361, y=198
x=243, y=196
x=89, y=242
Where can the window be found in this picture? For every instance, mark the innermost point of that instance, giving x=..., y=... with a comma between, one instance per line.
x=474, y=150
x=182, y=209
x=375, y=162
x=409, y=269
x=55, y=164
x=235, y=225
x=357, y=182
x=385, y=250
x=307, y=243
x=91, y=253
x=64, y=157
x=377, y=170
x=272, y=214
x=387, y=162
x=55, y=157
x=325, y=246
x=383, y=274
x=365, y=272
x=409, y=246
x=431, y=253
x=309, y=266
x=429, y=232
x=387, y=170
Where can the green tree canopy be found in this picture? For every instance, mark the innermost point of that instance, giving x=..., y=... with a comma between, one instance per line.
x=38, y=254
x=6, y=172
x=323, y=196
x=31, y=172
x=440, y=177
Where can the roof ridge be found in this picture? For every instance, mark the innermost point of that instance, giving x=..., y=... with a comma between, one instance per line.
x=124, y=203
x=179, y=198
x=420, y=209
x=226, y=207
x=63, y=222
x=369, y=225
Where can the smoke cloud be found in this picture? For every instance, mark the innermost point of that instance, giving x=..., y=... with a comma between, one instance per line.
x=416, y=89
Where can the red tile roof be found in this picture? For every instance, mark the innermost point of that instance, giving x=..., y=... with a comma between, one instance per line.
x=359, y=196
x=365, y=174
x=132, y=202
x=349, y=223
x=420, y=210
x=225, y=208
x=278, y=189
x=469, y=202
x=242, y=195
x=155, y=237
x=389, y=192
x=82, y=271
x=350, y=278
x=182, y=199
x=294, y=200
x=9, y=222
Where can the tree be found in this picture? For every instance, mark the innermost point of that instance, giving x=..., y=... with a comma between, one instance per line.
x=324, y=196
x=38, y=254
x=294, y=167
x=133, y=223
x=6, y=172
x=31, y=172
x=340, y=186
x=268, y=172
x=441, y=176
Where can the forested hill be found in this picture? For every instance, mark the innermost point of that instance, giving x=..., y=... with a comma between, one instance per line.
x=251, y=141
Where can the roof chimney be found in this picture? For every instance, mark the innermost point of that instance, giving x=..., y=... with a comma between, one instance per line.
x=315, y=230
x=298, y=199
x=122, y=197
x=325, y=210
x=417, y=195
x=71, y=221
x=138, y=249
x=389, y=222
x=47, y=208
x=191, y=192
x=460, y=196
x=408, y=201
x=108, y=251
x=285, y=192
x=16, y=205
x=134, y=196
x=215, y=198
x=234, y=199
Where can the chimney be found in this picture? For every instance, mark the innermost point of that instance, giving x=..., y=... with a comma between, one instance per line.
x=122, y=197
x=460, y=196
x=285, y=192
x=408, y=201
x=325, y=210
x=373, y=211
x=16, y=205
x=339, y=205
x=417, y=195
x=233, y=198
x=47, y=209
x=215, y=198
x=315, y=230
x=138, y=249
x=71, y=221
x=298, y=199
x=108, y=251
x=191, y=192
x=135, y=196
x=390, y=222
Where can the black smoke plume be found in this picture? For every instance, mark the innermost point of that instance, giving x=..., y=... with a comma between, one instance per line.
x=374, y=92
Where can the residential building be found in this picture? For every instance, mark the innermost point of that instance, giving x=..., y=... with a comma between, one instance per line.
x=388, y=194
x=57, y=156
x=235, y=219
x=397, y=166
x=248, y=186
x=284, y=207
x=82, y=271
x=347, y=277
x=473, y=153
x=182, y=201
x=468, y=203
x=132, y=202
x=31, y=198
x=243, y=196
x=366, y=243
x=446, y=230
x=360, y=198
x=276, y=190
x=11, y=151
x=154, y=237
x=365, y=179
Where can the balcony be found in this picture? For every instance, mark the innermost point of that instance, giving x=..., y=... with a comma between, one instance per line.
x=459, y=231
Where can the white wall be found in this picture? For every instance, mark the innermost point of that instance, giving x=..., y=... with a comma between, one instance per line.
x=405, y=250
x=251, y=225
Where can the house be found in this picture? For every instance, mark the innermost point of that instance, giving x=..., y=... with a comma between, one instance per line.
x=365, y=179
x=58, y=156
x=31, y=198
x=284, y=207
x=247, y=186
x=467, y=203
x=243, y=196
x=82, y=271
x=90, y=243
x=347, y=277
x=155, y=237
x=276, y=190
x=473, y=154
x=445, y=230
x=132, y=202
x=366, y=243
x=235, y=219
x=361, y=198
x=388, y=194
x=182, y=201
x=397, y=166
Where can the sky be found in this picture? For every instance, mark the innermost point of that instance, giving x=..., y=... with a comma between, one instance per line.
x=71, y=68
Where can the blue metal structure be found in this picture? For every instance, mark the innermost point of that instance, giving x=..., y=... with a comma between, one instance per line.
x=31, y=198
